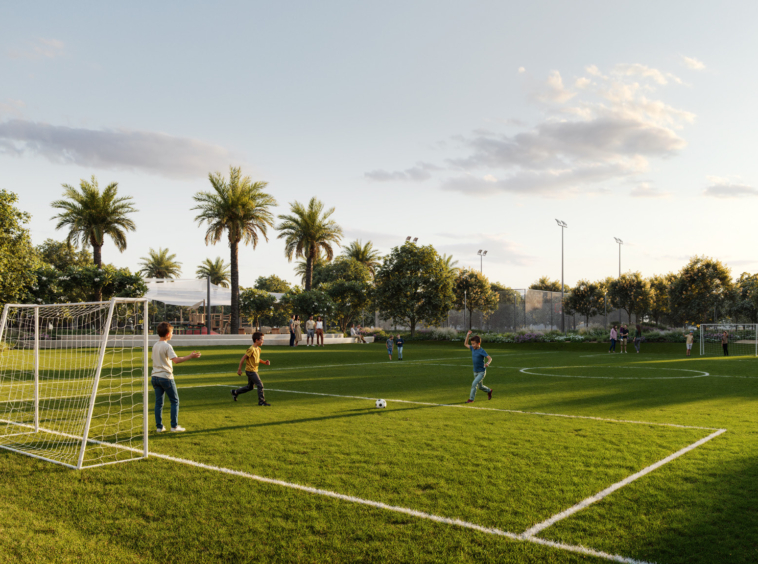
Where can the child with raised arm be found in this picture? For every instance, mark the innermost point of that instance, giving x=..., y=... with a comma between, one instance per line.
x=251, y=359
x=162, y=377
x=481, y=361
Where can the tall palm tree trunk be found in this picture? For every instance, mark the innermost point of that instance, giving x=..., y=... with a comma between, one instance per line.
x=98, y=258
x=309, y=269
x=234, y=245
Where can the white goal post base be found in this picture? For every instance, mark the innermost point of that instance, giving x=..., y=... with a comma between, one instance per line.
x=741, y=339
x=73, y=381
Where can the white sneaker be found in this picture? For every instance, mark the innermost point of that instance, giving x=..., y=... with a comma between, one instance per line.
x=160, y=429
x=177, y=429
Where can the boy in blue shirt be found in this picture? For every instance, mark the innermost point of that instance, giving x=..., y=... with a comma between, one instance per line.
x=399, y=344
x=390, y=344
x=481, y=361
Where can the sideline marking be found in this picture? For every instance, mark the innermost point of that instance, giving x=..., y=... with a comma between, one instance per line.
x=700, y=373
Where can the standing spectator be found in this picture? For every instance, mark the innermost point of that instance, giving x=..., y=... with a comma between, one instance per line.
x=399, y=344
x=614, y=336
x=725, y=342
x=320, y=331
x=637, y=337
x=623, y=337
x=298, y=330
x=690, y=341
x=310, y=330
x=291, y=326
x=390, y=345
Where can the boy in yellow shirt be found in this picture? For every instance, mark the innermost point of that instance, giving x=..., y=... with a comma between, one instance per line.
x=251, y=359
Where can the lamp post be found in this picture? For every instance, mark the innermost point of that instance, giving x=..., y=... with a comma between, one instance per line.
x=620, y=242
x=563, y=226
x=481, y=254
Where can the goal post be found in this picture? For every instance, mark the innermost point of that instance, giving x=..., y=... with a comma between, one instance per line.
x=73, y=381
x=741, y=339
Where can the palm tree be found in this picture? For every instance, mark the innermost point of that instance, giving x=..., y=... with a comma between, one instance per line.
x=301, y=269
x=217, y=269
x=307, y=232
x=365, y=254
x=240, y=208
x=450, y=267
x=159, y=264
x=90, y=215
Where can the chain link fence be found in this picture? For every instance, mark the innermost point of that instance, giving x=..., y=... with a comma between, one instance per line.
x=532, y=310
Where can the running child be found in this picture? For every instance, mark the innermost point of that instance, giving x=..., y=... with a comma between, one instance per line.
x=399, y=343
x=481, y=361
x=162, y=377
x=390, y=344
x=251, y=359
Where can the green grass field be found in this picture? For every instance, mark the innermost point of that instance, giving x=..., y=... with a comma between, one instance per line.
x=324, y=476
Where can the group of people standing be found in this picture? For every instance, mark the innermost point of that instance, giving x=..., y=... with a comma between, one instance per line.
x=621, y=334
x=312, y=329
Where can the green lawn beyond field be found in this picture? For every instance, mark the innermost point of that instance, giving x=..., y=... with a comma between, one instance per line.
x=324, y=476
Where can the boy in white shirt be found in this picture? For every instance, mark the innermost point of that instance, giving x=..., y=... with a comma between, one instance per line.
x=162, y=377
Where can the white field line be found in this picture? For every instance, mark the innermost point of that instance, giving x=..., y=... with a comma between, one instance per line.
x=134, y=393
x=590, y=418
x=618, y=485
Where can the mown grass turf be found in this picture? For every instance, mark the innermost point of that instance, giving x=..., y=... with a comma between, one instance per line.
x=491, y=467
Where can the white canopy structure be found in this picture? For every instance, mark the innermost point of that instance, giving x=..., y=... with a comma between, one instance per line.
x=186, y=292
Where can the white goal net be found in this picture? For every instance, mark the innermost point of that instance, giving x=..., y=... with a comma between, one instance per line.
x=73, y=385
x=729, y=339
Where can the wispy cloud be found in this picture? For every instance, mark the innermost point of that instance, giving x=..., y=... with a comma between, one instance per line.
x=693, y=63
x=418, y=173
x=500, y=250
x=39, y=48
x=727, y=189
x=146, y=151
x=645, y=190
x=11, y=108
x=604, y=128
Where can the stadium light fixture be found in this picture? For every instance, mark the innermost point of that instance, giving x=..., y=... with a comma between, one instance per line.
x=481, y=254
x=563, y=225
x=415, y=239
x=407, y=239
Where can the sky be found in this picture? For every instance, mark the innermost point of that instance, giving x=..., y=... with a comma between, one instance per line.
x=470, y=125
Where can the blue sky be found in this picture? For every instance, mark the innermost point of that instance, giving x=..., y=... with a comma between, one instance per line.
x=469, y=125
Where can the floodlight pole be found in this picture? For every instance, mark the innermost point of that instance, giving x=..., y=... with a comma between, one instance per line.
x=620, y=242
x=208, y=308
x=563, y=226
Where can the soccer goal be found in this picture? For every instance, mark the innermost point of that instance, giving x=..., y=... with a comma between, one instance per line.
x=73, y=381
x=742, y=339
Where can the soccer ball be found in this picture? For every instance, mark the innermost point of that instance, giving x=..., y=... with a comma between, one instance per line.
x=380, y=403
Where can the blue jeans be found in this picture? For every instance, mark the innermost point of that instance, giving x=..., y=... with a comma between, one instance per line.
x=400, y=353
x=477, y=384
x=613, y=345
x=167, y=386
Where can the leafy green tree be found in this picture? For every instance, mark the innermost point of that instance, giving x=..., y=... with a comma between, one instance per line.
x=217, y=270
x=307, y=232
x=160, y=264
x=350, y=297
x=413, y=286
x=240, y=209
x=341, y=269
x=18, y=258
x=631, y=293
x=90, y=215
x=585, y=299
x=81, y=283
x=272, y=284
x=62, y=254
x=744, y=303
x=365, y=254
x=472, y=289
x=546, y=285
x=703, y=287
x=256, y=304
x=310, y=302
x=659, y=299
